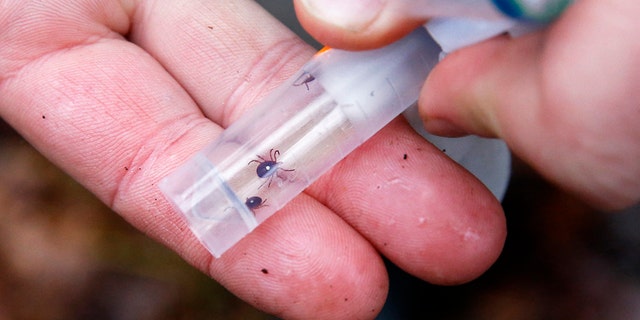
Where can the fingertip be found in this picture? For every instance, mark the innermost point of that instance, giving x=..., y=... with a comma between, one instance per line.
x=461, y=93
x=478, y=247
x=354, y=25
x=305, y=262
x=465, y=239
x=421, y=210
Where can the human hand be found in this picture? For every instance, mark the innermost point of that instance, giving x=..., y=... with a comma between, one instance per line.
x=565, y=99
x=119, y=93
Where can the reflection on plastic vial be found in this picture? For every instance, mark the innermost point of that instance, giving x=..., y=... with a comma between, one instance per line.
x=269, y=168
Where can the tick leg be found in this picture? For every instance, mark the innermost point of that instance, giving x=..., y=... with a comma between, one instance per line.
x=305, y=78
x=270, y=179
x=267, y=182
x=258, y=161
x=274, y=156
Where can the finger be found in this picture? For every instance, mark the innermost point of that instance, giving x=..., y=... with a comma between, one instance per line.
x=218, y=48
x=305, y=262
x=358, y=24
x=565, y=104
x=111, y=115
x=420, y=209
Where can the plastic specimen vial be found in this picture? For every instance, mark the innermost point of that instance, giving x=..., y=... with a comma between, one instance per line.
x=313, y=120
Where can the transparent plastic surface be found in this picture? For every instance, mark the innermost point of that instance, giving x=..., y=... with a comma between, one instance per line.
x=459, y=23
x=455, y=33
x=540, y=11
x=262, y=161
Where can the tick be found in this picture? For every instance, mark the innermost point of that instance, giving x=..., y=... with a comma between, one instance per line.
x=305, y=78
x=269, y=168
x=255, y=202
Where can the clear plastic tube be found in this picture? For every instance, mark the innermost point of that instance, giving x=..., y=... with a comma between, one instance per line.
x=471, y=9
x=539, y=11
x=337, y=101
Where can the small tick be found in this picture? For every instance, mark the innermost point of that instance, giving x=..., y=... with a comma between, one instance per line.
x=255, y=202
x=305, y=78
x=268, y=168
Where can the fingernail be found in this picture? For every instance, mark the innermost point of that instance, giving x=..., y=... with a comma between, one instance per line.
x=353, y=15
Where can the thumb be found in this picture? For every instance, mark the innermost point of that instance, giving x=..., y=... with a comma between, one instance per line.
x=357, y=24
x=565, y=100
x=472, y=90
x=368, y=24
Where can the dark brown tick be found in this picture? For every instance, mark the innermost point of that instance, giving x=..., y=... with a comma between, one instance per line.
x=268, y=168
x=255, y=202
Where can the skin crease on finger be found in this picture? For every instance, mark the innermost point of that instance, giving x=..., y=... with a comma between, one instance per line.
x=118, y=116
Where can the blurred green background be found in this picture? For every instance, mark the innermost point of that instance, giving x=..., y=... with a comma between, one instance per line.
x=64, y=255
